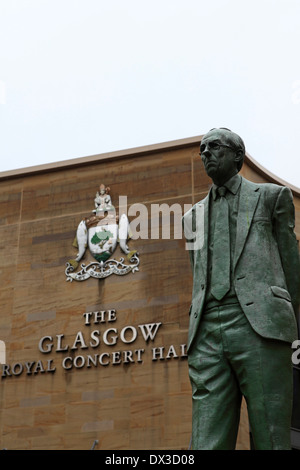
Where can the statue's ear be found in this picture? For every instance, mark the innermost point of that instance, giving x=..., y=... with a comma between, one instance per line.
x=239, y=157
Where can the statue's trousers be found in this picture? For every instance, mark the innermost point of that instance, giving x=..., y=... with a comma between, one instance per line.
x=229, y=360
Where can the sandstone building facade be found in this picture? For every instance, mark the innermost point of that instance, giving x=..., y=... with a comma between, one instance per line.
x=102, y=359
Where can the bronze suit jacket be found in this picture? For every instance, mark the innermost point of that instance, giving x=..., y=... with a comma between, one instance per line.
x=266, y=270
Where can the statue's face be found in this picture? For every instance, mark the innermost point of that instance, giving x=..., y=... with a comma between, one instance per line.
x=218, y=156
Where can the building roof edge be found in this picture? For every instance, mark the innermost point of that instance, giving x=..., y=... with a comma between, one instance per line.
x=136, y=152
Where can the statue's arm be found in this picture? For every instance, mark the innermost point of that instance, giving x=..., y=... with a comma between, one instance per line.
x=284, y=223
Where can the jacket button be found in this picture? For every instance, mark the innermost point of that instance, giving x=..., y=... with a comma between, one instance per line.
x=202, y=286
x=195, y=315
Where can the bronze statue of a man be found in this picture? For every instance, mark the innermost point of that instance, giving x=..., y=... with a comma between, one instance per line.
x=246, y=284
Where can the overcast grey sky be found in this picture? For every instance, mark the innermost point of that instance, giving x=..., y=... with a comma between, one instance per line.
x=82, y=77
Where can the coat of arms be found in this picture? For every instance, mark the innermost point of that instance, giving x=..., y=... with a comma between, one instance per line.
x=101, y=232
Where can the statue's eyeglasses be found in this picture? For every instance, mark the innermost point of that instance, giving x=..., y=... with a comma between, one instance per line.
x=213, y=146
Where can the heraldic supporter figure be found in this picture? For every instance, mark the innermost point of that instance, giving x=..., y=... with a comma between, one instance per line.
x=246, y=284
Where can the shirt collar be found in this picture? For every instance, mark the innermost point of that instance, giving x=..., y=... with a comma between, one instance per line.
x=232, y=185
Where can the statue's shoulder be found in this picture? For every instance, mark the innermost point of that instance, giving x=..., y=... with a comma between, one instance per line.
x=271, y=194
x=267, y=188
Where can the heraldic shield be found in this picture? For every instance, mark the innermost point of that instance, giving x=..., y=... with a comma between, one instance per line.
x=101, y=232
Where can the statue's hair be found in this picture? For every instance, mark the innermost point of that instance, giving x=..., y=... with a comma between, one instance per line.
x=236, y=141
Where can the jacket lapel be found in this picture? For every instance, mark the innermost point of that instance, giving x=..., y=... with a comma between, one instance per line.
x=249, y=196
x=248, y=200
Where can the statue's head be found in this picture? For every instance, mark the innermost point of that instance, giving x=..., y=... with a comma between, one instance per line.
x=222, y=152
x=104, y=189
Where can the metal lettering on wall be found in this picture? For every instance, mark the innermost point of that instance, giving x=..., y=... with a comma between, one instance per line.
x=101, y=232
x=90, y=348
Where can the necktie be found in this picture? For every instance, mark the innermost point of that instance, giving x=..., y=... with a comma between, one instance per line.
x=220, y=276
